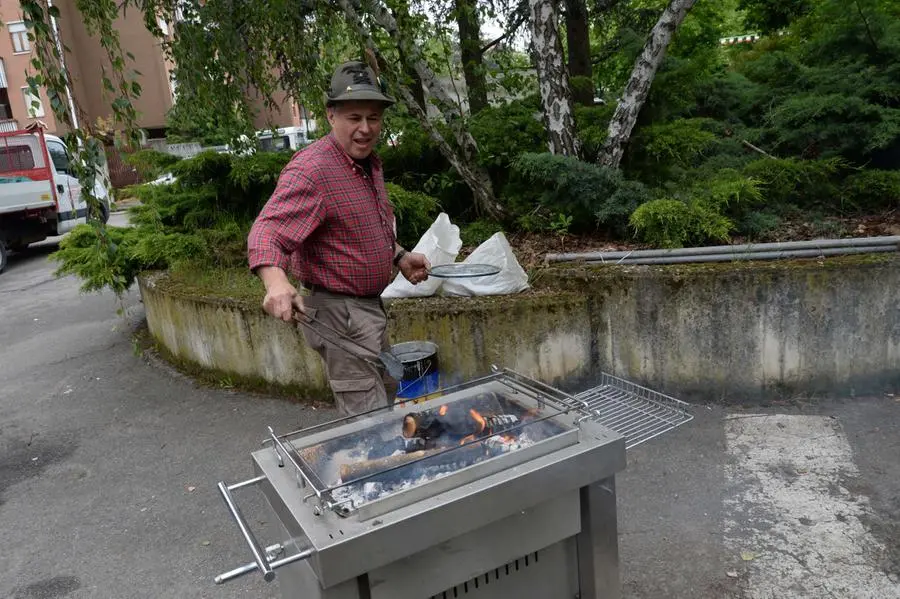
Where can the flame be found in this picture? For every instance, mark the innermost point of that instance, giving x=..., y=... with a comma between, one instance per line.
x=442, y=411
x=482, y=423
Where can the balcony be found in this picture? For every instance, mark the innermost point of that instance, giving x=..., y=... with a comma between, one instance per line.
x=8, y=125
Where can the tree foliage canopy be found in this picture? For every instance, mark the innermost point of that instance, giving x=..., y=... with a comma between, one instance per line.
x=730, y=140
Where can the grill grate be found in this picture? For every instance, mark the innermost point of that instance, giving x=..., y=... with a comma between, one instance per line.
x=635, y=412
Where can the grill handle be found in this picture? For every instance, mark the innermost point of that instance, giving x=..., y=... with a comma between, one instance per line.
x=247, y=568
x=261, y=560
x=258, y=555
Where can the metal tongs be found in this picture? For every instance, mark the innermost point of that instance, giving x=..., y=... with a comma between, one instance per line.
x=386, y=359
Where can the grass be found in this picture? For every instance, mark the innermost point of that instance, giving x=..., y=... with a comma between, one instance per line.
x=237, y=284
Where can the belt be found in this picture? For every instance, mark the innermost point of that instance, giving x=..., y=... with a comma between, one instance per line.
x=314, y=289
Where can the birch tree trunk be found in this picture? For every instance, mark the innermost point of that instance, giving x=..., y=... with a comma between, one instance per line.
x=638, y=86
x=553, y=79
x=464, y=158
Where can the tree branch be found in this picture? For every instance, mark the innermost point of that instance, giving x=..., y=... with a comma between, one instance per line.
x=464, y=159
x=522, y=15
x=866, y=23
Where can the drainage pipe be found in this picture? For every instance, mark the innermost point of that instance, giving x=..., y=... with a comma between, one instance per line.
x=727, y=249
x=774, y=255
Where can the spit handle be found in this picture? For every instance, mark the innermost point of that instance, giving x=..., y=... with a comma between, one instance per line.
x=259, y=556
x=247, y=568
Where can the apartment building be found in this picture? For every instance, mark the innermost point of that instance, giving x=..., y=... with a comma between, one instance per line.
x=85, y=62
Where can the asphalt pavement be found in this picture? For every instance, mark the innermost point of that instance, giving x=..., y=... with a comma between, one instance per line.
x=109, y=464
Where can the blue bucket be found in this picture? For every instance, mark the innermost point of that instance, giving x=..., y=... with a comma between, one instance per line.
x=421, y=376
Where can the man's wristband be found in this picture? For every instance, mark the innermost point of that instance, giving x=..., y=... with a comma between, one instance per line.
x=399, y=257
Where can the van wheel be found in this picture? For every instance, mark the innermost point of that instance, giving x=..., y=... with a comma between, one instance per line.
x=102, y=215
x=2, y=255
x=104, y=212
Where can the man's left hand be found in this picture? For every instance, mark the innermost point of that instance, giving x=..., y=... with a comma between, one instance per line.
x=414, y=267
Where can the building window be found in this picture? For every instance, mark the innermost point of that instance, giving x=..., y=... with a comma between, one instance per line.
x=19, y=34
x=33, y=105
x=5, y=106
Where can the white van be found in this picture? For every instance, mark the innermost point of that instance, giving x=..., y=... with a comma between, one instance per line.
x=39, y=197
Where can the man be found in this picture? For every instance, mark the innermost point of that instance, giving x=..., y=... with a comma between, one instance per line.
x=330, y=224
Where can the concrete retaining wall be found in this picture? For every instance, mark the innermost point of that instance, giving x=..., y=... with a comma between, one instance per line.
x=544, y=335
x=735, y=332
x=701, y=332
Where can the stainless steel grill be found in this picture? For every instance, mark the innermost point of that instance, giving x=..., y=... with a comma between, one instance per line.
x=523, y=506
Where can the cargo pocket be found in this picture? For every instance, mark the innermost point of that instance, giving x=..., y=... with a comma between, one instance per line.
x=358, y=395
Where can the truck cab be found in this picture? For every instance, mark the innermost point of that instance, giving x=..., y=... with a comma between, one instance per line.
x=39, y=196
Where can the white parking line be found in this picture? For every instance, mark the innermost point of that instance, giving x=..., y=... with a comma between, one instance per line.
x=790, y=516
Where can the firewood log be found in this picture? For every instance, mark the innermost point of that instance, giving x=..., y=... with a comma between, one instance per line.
x=355, y=470
x=458, y=419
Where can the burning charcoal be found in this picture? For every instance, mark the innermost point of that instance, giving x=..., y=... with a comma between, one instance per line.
x=383, y=450
x=501, y=444
x=501, y=422
x=414, y=444
x=372, y=490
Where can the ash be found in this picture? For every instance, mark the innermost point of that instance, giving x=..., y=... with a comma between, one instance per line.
x=428, y=470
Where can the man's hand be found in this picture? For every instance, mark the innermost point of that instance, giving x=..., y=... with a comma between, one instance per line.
x=281, y=297
x=414, y=267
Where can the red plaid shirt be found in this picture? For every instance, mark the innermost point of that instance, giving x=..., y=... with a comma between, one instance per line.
x=328, y=223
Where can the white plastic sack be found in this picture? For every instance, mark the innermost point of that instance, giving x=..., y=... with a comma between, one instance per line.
x=496, y=251
x=440, y=244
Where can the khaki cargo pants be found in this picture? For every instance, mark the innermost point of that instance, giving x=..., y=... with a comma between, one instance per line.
x=358, y=385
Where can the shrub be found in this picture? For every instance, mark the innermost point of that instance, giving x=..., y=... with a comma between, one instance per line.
x=872, y=190
x=504, y=132
x=581, y=85
x=657, y=150
x=151, y=164
x=758, y=224
x=814, y=125
x=258, y=170
x=479, y=231
x=730, y=97
x=80, y=254
x=203, y=217
x=592, y=127
x=132, y=250
x=706, y=212
x=415, y=212
x=669, y=223
x=412, y=160
x=802, y=183
x=205, y=167
x=548, y=185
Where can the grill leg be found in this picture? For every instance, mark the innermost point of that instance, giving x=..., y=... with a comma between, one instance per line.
x=598, y=543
